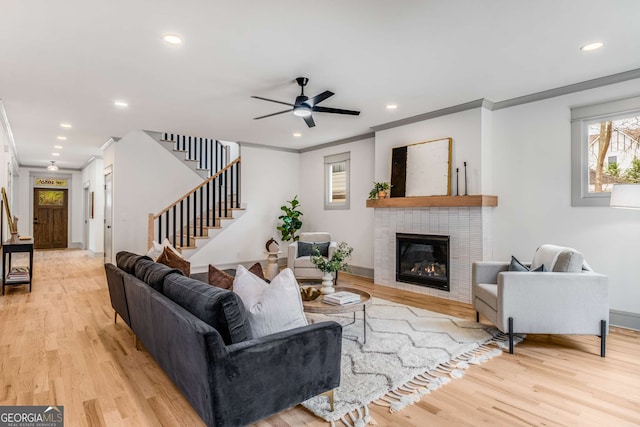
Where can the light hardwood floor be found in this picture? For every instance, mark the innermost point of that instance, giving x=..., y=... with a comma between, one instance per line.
x=59, y=345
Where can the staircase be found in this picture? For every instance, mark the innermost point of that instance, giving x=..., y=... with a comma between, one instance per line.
x=191, y=221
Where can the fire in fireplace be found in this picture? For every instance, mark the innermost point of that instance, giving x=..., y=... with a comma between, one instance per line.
x=423, y=260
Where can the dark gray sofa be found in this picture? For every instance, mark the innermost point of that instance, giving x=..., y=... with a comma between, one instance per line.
x=200, y=336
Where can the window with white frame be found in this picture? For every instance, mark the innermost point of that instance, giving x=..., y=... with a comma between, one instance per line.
x=336, y=178
x=605, y=149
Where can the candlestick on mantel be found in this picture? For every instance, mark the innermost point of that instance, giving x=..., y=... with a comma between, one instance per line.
x=465, y=179
x=457, y=183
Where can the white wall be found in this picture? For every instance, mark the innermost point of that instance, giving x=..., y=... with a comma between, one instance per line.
x=354, y=226
x=93, y=176
x=532, y=177
x=269, y=178
x=146, y=179
x=465, y=129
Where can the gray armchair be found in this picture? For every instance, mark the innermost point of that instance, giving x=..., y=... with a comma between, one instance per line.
x=566, y=298
x=299, y=260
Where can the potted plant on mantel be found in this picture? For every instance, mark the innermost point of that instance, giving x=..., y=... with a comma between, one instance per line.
x=337, y=262
x=379, y=190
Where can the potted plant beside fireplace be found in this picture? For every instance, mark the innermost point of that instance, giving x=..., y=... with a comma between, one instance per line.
x=337, y=262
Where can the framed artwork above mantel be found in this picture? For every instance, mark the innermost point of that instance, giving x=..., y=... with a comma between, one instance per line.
x=422, y=169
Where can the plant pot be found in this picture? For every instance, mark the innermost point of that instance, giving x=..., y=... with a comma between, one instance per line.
x=327, y=283
x=382, y=194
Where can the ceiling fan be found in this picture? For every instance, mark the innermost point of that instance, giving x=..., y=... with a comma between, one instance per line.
x=304, y=106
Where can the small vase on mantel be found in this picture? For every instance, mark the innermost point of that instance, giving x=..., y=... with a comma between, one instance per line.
x=327, y=283
x=382, y=194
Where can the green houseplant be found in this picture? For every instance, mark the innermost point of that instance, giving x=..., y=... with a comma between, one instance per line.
x=291, y=222
x=337, y=262
x=379, y=190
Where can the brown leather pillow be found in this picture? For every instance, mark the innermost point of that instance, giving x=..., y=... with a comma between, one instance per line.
x=219, y=278
x=171, y=259
x=257, y=270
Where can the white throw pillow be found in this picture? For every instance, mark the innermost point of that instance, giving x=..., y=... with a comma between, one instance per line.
x=272, y=307
x=157, y=248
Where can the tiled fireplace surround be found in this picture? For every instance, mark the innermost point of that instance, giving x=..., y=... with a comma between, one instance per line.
x=471, y=239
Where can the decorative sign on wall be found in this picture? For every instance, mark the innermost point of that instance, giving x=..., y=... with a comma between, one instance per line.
x=51, y=182
x=422, y=169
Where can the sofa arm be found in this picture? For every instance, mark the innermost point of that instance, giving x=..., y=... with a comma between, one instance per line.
x=548, y=303
x=292, y=254
x=333, y=246
x=277, y=371
x=487, y=271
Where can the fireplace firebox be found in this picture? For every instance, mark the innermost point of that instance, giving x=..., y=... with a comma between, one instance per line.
x=423, y=260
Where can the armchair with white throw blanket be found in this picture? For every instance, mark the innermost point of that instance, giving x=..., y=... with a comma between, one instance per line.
x=564, y=296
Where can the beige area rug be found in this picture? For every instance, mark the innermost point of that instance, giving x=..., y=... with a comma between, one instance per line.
x=409, y=352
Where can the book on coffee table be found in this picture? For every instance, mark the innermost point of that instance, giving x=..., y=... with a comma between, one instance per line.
x=341, y=298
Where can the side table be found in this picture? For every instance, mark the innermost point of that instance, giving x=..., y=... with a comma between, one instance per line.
x=271, y=270
x=8, y=249
x=317, y=306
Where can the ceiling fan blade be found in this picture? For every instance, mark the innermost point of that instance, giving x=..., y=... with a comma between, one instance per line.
x=319, y=98
x=273, y=114
x=309, y=121
x=273, y=100
x=335, y=110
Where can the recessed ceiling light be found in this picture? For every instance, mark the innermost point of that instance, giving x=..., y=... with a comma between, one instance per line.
x=297, y=134
x=391, y=106
x=55, y=154
x=65, y=125
x=121, y=104
x=172, y=39
x=58, y=147
x=591, y=46
x=61, y=138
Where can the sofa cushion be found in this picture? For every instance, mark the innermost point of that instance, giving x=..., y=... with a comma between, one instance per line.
x=549, y=255
x=171, y=259
x=306, y=248
x=219, y=278
x=217, y=307
x=488, y=293
x=516, y=265
x=272, y=307
x=569, y=261
x=127, y=261
x=153, y=274
x=156, y=249
x=257, y=270
x=304, y=262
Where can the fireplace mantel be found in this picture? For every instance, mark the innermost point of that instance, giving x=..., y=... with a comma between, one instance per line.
x=434, y=201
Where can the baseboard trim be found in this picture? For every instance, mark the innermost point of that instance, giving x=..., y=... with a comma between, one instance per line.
x=361, y=271
x=76, y=245
x=624, y=319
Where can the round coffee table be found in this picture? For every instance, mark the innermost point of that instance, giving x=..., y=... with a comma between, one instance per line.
x=317, y=306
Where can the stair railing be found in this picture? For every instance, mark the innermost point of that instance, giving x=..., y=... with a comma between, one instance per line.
x=200, y=208
x=210, y=154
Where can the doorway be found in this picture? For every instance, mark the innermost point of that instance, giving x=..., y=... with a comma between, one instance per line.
x=50, y=216
x=108, y=201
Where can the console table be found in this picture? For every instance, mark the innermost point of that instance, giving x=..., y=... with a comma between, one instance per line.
x=8, y=249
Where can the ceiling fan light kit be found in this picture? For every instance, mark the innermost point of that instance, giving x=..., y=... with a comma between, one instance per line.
x=304, y=106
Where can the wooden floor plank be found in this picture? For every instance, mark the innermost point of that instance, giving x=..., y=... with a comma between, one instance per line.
x=60, y=346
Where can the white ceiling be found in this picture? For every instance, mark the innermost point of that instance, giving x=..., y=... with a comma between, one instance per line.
x=66, y=61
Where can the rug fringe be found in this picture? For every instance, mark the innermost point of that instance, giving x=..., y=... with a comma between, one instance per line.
x=428, y=381
x=357, y=418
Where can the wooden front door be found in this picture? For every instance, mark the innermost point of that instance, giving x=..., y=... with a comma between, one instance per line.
x=50, y=213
